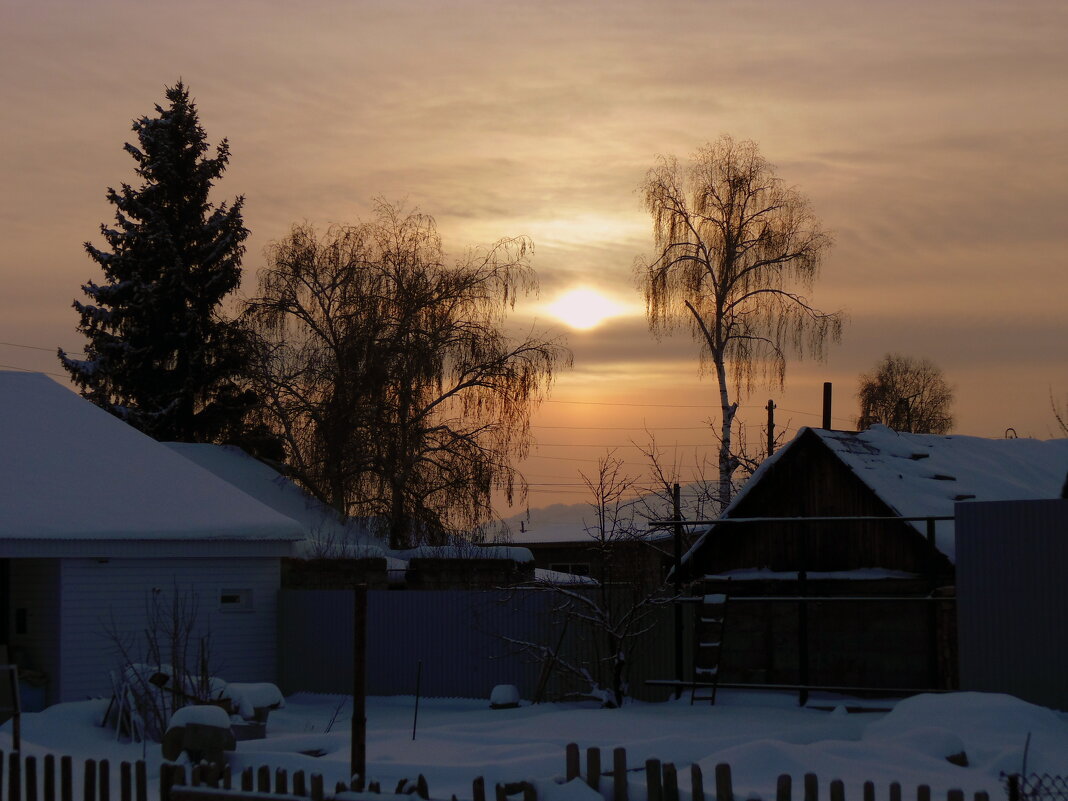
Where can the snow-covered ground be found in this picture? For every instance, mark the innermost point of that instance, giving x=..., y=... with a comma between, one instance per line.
x=759, y=735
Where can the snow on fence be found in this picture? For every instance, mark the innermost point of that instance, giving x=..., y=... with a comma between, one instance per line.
x=30, y=779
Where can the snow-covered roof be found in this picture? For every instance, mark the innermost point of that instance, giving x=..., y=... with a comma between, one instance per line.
x=919, y=475
x=319, y=522
x=70, y=470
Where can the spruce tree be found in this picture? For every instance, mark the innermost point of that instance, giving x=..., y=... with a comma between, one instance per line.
x=159, y=355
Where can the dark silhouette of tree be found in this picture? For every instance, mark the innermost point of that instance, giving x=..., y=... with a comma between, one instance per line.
x=906, y=394
x=158, y=354
x=386, y=372
x=733, y=248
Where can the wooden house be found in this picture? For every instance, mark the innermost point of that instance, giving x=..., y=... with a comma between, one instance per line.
x=840, y=569
x=97, y=520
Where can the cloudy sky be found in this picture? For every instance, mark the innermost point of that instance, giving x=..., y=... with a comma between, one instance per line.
x=929, y=137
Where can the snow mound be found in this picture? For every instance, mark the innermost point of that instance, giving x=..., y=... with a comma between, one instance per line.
x=982, y=723
x=203, y=715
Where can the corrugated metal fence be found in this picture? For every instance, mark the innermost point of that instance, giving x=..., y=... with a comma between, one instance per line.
x=457, y=634
x=1012, y=598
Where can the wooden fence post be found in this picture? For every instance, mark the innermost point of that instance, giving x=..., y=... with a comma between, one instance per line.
x=298, y=783
x=317, y=787
x=66, y=780
x=671, y=782
x=923, y=793
x=571, y=755
x=697, y=783
x=140, y=781
x=89, y=787
x=869, y=791
x=724, y=788
x=982, y=796
x=955, y=795
x=593, y=768
x=478, y=789
x=50, y=777
x=14, y=776
x=895, y=791
x=837, y=790
x=125, y=782
x=784, y=787
x=31, y=778
x=619, y=774
x=263, y=779
x=246, y=780
x=281, y=781
x=652, y=780
x=812, y=787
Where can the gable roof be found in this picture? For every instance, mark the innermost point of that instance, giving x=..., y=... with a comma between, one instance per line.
x=268, y=486
x=926, y=474
x=70, y=470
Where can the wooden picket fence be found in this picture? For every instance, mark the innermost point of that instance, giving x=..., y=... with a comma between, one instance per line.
x=29, y=779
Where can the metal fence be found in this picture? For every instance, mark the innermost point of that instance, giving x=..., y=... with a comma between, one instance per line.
x=1036, y=787
x=458, y=636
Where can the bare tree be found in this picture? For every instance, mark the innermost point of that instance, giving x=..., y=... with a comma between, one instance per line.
x=388, y=376
x=906, y=394
x=1060, y=415
x=733, y=248
x=609, y=616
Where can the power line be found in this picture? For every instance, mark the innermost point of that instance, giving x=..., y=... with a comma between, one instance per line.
x=38, y=347
x=28, y=370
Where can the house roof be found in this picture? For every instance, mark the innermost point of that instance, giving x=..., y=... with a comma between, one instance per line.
x=70, y=470
x=261, y=481
x=926, y=474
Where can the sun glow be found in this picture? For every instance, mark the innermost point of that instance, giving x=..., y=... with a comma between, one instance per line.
x=584, y=308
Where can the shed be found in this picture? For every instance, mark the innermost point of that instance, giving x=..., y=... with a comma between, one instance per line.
x=876, y=473
x=97, y=519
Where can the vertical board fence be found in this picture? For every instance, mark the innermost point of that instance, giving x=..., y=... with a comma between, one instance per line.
x=52, y=779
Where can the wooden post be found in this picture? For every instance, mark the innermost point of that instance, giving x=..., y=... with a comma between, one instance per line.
x=812, y=787
x=298, y=783
x=837, y=790
x=281, y=781
x=593, y=768
x=50, y=777
x=869, y=791
x=572, y=769
x=771, y=426
x=923, y=793
x=246, y=780
x=317, y=787
x=31, y=778
x=89, y=785
x=619, y=774
x=499, y=792
x=895, y=791
x=955, y=795
x=478, y=789
x=724, y=788
x=529, y=792
x=671, y=782
x=422, y=789
x=14, y=776
x=358, y=753
x=141, y=781
x=697, y=783
x=676, y=500
x=784, y=788
x=827, y=405
x=654, y=788
x=263, y=779
x=125, y=782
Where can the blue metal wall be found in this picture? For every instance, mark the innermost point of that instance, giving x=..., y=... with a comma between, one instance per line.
x=1012, y=598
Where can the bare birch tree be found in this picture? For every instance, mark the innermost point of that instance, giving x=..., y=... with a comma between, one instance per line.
x=734, y=250
x=388, y=376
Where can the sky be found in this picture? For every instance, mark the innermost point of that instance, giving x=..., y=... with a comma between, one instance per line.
x=928, y=137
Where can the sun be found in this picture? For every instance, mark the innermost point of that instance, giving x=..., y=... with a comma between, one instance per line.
x=584, y=308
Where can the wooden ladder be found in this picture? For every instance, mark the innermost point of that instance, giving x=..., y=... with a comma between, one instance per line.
x=708, y=647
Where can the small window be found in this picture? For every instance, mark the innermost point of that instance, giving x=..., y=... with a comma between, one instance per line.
x=235, y=600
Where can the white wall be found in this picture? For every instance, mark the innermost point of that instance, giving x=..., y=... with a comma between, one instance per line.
x=103, y=595
x=35, y=589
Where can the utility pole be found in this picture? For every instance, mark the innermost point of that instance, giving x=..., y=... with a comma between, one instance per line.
x=771, y=426
x=827, y=405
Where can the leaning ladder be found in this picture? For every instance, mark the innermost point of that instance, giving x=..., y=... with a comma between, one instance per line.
x=708, y=647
